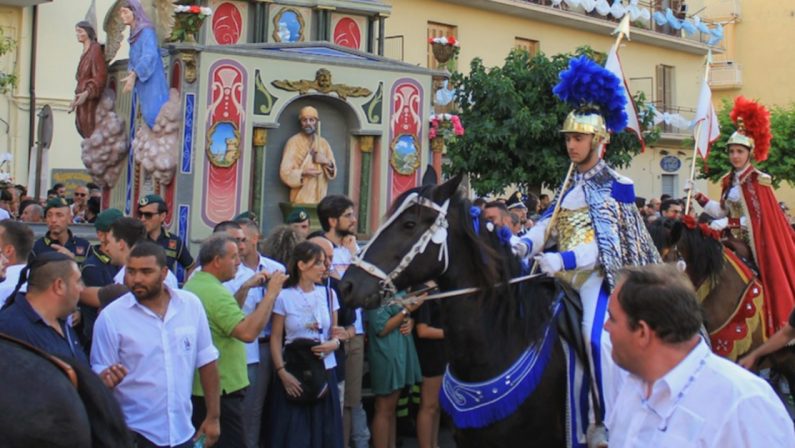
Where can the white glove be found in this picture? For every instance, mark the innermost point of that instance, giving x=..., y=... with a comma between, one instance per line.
x=719, y=224
x=690, y=185
x=550, y=263
x=520, y=249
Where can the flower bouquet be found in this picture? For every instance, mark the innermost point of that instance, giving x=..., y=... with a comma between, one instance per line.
x=189, y=20
x=444, y=128
x=444, y=48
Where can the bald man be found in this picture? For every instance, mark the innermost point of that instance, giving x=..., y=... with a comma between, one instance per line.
x=307, y=162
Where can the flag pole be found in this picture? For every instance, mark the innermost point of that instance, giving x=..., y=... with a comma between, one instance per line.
x=699, y=128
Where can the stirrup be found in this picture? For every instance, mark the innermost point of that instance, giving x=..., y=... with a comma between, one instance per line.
x=597, y=436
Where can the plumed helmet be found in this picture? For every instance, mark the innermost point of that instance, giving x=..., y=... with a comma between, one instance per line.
x=753, y=127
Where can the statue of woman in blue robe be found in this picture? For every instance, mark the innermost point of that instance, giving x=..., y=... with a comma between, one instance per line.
x=145, y=68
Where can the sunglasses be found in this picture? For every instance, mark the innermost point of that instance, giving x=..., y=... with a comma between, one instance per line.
x=148, y=215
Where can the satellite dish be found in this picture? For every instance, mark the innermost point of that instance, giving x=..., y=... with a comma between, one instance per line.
x=44, y=130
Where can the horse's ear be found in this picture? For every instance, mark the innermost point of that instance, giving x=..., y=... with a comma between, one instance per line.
x=676, y=232
x=430, y=177
x=447, y=189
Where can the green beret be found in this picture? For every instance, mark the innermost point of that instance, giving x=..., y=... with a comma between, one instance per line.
x=56, y=202
x=151, y=199
x=297, y=215
x=246, y=215
x=106, y=218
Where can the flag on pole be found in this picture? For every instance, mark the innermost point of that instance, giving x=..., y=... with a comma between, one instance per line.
x=613, y=64
x=707, y=128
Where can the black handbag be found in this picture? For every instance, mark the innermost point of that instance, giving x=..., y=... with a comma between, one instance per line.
x=308, y=369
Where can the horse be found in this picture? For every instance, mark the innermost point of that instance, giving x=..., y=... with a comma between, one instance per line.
x=731, y=295
x=43, y=407
x=485, y=331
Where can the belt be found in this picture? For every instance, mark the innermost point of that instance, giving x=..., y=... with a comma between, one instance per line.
x=264, y=339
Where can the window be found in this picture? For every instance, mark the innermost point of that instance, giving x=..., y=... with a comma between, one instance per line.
x=439, y=30
x=666, y=88
x=669, y=186
x=393, y=47
x=529, y=45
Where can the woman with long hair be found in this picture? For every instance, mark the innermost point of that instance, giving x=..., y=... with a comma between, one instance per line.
x=304, y=311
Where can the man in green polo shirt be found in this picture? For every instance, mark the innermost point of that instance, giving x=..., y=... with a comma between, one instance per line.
x=230, y=328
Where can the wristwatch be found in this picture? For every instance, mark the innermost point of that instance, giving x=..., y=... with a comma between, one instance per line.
x=405, y=312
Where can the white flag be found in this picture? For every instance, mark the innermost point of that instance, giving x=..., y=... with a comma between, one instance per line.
x=707, y=128
x=613, y=64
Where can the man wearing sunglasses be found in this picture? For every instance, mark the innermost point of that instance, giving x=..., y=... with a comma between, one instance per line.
x=152, y=211
x=80, y=204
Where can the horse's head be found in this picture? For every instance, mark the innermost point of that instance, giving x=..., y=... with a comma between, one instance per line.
x=666, y=233
x=409, y=248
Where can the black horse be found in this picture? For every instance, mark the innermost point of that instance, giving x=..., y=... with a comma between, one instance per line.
x=41, y=407
x=486, y=331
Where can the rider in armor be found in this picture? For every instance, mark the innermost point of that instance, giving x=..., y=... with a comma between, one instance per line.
x=749, y=212
x=592, y=228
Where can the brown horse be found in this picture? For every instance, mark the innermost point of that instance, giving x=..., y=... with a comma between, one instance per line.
x=731, y=295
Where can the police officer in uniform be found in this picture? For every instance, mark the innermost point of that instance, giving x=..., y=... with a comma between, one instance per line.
x=58, y=237
x=97, y=272
x=516, y=205
x=152, y=211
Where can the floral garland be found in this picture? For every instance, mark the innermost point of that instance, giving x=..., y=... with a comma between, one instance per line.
x=445, y=40
x=691, y=223
x=446, y=126
x=194, y=9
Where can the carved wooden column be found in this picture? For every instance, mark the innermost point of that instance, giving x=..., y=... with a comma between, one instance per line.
x=366, y=147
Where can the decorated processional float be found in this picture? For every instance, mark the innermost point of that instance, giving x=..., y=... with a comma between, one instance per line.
x=232, y=106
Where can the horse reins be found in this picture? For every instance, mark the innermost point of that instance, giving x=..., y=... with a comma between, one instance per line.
x=436, y=233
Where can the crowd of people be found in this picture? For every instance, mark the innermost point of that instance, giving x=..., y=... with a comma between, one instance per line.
x=222, y=357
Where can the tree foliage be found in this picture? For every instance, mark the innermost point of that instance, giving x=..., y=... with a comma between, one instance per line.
x=512, y=123
x=781, y=160
x=7, y=80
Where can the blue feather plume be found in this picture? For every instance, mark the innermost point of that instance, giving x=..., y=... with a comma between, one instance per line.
x=589, y=87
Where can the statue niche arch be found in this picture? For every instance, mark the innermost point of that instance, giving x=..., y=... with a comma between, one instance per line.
x=338, y=121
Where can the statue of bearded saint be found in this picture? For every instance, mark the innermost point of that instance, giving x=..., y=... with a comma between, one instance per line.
x=307, y=161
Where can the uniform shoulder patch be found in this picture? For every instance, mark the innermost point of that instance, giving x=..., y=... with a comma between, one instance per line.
x=764, y=179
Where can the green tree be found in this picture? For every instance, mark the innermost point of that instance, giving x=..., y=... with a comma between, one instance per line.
x=512, y=121
x=7, y=80
x=780, y=162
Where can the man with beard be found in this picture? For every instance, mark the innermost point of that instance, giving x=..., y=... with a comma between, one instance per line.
x=338, y=219
x=58, y=237
x=307, y=162
x=161, y=335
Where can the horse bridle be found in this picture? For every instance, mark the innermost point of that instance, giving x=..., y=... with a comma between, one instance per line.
x=436, y=233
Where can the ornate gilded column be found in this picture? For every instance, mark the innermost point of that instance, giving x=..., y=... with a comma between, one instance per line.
x=260, y=139
x=366, y=147
x=437, y=150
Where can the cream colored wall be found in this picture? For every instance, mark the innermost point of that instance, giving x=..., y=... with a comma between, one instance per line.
x=490, y=36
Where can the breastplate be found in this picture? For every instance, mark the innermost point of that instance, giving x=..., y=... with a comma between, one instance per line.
x=574, y=228
x=735, y=211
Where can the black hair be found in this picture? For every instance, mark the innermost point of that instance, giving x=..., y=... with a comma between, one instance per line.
x=332, y=206
x=305, y=252
x=149, y=249
x=666, y=204
x=226, y=225
x=18, y=235
x=664, y=298
x=86, y=26
x=129, y=230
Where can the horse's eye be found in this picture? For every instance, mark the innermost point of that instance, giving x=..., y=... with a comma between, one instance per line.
x=409, y=225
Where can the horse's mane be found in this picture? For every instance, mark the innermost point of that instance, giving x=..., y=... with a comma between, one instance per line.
x=506, y=310
x=702, y=253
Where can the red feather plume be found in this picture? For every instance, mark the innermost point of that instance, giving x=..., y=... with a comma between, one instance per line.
x=756, y=123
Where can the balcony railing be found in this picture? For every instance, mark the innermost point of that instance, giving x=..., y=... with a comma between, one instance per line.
x=725, y=75
x=652, y=6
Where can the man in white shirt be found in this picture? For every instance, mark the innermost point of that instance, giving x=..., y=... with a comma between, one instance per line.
x=161, y=335
x=676, y=393
x=16, y=241
x=249, y=288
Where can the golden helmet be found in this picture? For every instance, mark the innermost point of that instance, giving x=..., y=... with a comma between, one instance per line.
x=587, y=123
x=740, y=138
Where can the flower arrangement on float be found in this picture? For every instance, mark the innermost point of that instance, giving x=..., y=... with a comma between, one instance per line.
x=444, y=47
x=189, y=19
x=444, y=128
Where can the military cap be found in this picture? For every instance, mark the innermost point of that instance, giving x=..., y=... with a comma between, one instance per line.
x=151, y=199
x=246, y=215
x=515, y=201
x=56, y=202
x=297, y=215
x=106, y=218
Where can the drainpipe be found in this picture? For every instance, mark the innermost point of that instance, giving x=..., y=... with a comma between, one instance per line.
x=32, y=92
